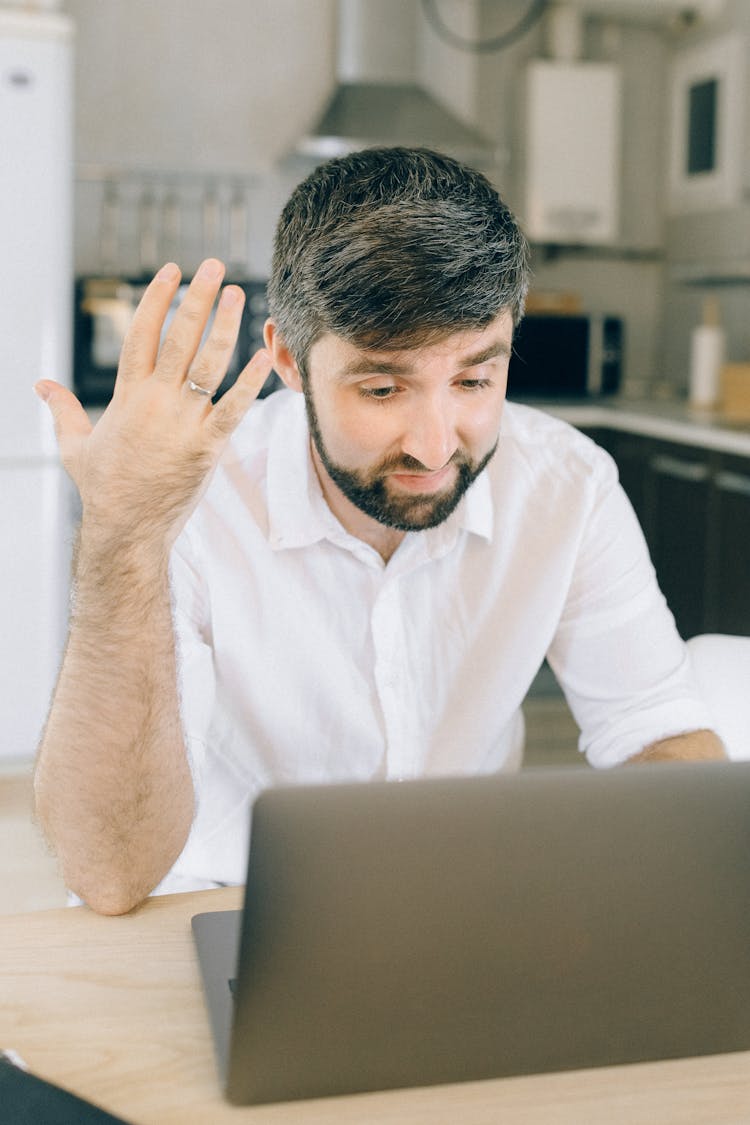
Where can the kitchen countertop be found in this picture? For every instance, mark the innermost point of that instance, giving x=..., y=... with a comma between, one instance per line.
x=668, y=420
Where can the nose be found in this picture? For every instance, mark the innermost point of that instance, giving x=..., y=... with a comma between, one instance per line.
x=431, y=433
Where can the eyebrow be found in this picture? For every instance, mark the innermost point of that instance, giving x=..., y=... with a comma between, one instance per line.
x=500, y=347
x=362, y=365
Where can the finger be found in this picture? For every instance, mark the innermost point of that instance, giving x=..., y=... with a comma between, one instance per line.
x=69, y=418
x=232, y=407
x=211, y=363
x=141, y=344
x=185, y=332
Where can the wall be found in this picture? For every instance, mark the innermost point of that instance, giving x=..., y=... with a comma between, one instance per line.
x=181, y=98
x=206, y=87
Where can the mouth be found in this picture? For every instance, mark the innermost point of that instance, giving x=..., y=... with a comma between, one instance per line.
x=424, y=483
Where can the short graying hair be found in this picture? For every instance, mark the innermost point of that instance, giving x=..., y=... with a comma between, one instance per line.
x=394, y=247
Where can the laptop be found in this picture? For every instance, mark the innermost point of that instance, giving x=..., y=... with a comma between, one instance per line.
x=433, y=931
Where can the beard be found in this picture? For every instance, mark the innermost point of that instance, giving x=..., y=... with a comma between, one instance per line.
x=368, y=490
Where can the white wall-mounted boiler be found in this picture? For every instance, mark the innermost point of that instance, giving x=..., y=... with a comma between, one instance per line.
x=572, y=136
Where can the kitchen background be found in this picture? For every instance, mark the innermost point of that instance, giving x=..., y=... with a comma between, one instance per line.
x=183, y=110
x=192, y=120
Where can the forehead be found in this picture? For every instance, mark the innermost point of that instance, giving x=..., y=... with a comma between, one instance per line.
x=456, y=349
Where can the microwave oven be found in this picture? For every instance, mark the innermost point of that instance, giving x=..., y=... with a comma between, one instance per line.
x=103, y=309
x=566, y=356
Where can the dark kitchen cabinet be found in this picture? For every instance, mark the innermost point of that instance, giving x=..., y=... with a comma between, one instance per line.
x=678, y=499
x=729, y=596
x=694, y=507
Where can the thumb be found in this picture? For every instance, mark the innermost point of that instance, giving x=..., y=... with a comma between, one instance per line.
x=69, y=417
x=70, y=420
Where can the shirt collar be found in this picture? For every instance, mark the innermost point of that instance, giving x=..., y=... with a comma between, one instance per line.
x=298, y=514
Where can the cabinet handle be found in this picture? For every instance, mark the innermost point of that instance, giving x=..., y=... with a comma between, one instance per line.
x=733, y=482
x=684, y=470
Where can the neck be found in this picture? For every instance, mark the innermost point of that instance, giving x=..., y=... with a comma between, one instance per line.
x=383, y=539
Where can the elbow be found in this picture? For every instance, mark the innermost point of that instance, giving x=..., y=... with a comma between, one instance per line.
x=107, y=890
x=111, y=859
x=111, y=901
x=119, y=886
x=116, y=889
x=112, y=892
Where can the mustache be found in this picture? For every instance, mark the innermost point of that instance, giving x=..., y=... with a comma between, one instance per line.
x=405, y=463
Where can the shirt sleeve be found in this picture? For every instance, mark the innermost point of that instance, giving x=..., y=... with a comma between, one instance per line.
x=196, y=681
x=617, y=653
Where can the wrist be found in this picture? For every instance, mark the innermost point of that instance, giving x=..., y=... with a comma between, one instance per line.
x=120, y=548
x=118, y=567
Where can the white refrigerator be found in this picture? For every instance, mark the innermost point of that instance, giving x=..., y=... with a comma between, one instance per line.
x=36, y=276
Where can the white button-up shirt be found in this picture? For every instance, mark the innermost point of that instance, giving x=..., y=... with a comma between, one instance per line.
x=304, y=658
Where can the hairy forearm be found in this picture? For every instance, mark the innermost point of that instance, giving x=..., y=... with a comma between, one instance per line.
x=113, y=789
x=694, y=746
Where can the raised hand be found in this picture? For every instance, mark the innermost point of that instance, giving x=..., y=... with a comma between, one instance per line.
x=142, y=468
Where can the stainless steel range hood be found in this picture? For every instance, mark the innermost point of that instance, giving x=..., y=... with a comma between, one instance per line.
x=376, y=100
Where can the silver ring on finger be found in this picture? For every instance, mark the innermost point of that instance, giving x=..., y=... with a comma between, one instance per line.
x=199, y=390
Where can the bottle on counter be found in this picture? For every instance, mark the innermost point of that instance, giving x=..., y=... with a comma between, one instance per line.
x=707, y=345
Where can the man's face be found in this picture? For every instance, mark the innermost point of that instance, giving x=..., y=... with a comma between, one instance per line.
x=403, y=433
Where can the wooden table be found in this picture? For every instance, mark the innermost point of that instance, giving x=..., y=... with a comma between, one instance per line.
x=112, y=1008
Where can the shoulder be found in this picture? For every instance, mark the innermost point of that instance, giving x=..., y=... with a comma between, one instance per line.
x=545, y=449
x=528, y=427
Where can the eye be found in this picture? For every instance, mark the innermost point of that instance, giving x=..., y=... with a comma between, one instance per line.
x=378, y=393
x=475, y=384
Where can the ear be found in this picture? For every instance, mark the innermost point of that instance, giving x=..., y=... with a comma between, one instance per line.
x=284, y=363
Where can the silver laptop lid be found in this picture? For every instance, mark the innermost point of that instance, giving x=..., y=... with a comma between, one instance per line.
x=445, y=930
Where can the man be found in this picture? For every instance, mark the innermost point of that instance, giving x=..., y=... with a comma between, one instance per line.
x=359, y=577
